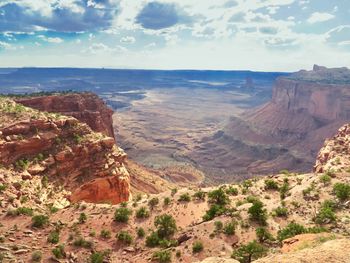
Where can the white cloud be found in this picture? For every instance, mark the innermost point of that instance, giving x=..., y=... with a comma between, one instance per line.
x=101, y=48
x=55, y=40
x=319, y=17
x=6, y=46
x=128, y=40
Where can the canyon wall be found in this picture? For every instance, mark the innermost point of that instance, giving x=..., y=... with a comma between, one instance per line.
x=286, y=133
x=86, y=107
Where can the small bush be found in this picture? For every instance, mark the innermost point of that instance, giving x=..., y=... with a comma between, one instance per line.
x=54, y=237
x=166, y=201
x=124, y=237
x=82, y=218
x=36, y=256
x=106, y=234
x=231, y=191
x=59, y=252
x=122, y=214
x=97, y=257
x=326, y=214
x=163, y=256
x=291, y=230
x=140, y=232
x=257, y=213
x=20, y=211
x=185, y=197
x=342, y=191
x=3, y=187
x=214, y=210
x=142, y=213
x=152, y=240
x=166, y=225
x=263, y=234
x=218, y=197
x=284, y=190
x=281, y=211
x=81, y=242
x=199, y=195
x=248, y=253
x=271, y=184
x=229, y=228
x=218, y=226
x=173, y=191
x=40, y=221
x=153, y=202
x=197, y=246
x=325, y=179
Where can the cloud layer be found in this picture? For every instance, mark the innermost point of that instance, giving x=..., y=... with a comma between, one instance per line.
x=224, y=34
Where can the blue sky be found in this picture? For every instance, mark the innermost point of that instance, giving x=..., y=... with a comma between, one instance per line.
x=265, y=35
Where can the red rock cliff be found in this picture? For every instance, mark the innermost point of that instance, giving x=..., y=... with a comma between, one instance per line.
x=66, y=151
x=86, y=107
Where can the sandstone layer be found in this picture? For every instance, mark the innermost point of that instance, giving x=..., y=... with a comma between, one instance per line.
x=65, y=151
x=86, y=107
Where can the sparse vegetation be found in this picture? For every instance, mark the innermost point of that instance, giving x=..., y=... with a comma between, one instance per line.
x=325, y=179
x=122, y=214
x=185, y=197
x=153, y=202
x=40, y=221
x=141, y=232
x=166, y=225
x=37, y=256
x=291, y=230
x=249, y=252
x=54, y=237
x=271, y=184
x=82, y=218
x=263, y=234
x=326, y=213
x=342, y=191
x=142, y=213
x=257, y=213
x=124, y=237
x=81, y=242
x=59, y=252
x=199, y=195
x=162, y=256
x=229, y=228
x=197, y=246
x=106, y=234
x=281, y=211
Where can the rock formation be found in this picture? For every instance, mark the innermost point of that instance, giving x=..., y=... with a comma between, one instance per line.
x=86, y=107
x=286, y=133
x=65, y=151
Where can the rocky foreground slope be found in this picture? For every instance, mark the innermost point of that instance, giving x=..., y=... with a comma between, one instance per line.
x=306, y=108
x=286, y=217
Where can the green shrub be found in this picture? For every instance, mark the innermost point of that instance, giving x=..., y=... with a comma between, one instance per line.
x=82, y=218
x=291, y=230
x=271, y=184
x=40, y=221
x=20, y=211
x=54, y=237
x=59, y=252
x=162, y=256
x=249, y=252
x=105, y=234
x=199, y=195
x=122, y=214
x=197, y=246
x=257, y=213
x=152, y=240
x=214, y=210
x=166, y=225
x=231, y=191
x=229, y=228
x=36, y=256
x=281, y=211
x=81, y=242
x=173, y=191
x=325, y=179
x=218, y=197
x=284, y=189
x=166, y=201
x=326, y=214
x=185, y=197
x=342, y=191
x=125, y=237
x=142, y=212
x=263, y=234
x=3, y=187
x=97, y=257
x=153, y=202
x=140, y=232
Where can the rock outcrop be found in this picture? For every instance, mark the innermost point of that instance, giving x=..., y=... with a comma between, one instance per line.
x=286, y=133
x=334, y=155
x=64, y=151
x=86, y=107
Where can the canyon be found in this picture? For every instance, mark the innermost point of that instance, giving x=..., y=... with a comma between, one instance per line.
x=285, y=133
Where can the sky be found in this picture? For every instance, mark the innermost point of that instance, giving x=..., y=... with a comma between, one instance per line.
x=261, y=35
